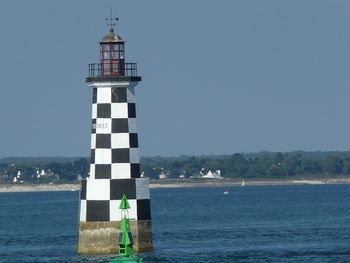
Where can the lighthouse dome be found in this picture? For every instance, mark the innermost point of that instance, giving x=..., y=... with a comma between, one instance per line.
x=112, y=37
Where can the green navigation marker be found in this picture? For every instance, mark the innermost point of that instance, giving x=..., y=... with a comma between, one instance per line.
x=124, y=204
x=125, y=239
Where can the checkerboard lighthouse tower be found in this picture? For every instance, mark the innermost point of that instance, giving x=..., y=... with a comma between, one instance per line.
x=115, y=164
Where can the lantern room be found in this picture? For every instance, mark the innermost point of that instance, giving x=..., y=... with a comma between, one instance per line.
x=112, y=55
x=112, y=60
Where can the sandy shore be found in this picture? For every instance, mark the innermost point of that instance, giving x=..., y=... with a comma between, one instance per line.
x=224, y=183
x=38, y=187
x=174, y=183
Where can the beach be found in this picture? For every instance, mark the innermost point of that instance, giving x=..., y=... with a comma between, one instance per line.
x=177, y=183
x=169, y=183
x=5, y=188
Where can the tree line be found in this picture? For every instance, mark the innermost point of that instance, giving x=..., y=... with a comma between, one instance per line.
x=255, y=165
x=238, y=165
x=44, y=172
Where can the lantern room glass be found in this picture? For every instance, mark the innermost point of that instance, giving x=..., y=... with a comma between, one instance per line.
x=112, y=59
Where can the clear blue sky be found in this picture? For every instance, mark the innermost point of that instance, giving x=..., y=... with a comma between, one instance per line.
x=219, y=77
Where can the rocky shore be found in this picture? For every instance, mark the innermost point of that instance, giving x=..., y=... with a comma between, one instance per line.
x=175, y=183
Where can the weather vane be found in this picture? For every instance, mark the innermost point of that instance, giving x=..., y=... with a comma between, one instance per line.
x=111, y=22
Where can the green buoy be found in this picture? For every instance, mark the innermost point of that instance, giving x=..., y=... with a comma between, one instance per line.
x=125, y=239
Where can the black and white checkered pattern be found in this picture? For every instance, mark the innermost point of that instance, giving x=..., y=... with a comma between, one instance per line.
x=114, y=140
x=115, y=162
x=100, y=199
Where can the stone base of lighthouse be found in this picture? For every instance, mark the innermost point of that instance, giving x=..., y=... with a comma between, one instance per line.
x=100, y=216
x=101, y=237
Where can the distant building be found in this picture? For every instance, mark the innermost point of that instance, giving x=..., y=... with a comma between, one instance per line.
x=210, y=174
x=182, y=175
x=162, y=175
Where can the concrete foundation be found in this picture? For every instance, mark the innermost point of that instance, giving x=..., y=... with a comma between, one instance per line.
x=102, y=237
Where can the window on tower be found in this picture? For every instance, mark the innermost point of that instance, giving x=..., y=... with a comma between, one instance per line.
x=106, y=47
x=106, y=55
x=107, y=69
x=115, y=54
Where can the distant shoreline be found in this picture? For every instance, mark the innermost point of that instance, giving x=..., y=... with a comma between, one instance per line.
x=169, y=183
x=175, y=183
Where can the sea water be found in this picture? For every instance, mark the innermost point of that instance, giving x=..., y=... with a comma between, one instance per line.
x=308, y=223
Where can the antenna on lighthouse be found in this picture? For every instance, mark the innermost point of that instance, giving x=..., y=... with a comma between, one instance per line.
x=111, y=24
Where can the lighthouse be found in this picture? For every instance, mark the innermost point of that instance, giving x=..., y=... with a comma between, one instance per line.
x=115, y=161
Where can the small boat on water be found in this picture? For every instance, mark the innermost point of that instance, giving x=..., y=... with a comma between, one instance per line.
x=226, y=192
x=243, y=183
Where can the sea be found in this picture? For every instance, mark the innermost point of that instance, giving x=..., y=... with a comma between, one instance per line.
x=300, y=223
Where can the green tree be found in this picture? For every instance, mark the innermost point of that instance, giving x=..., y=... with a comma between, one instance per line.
x=333, y=165
x=275, y=171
